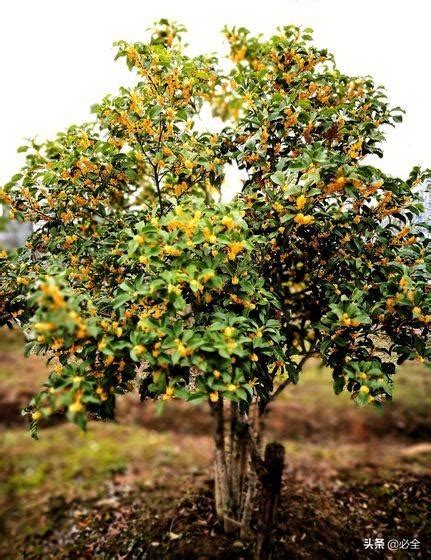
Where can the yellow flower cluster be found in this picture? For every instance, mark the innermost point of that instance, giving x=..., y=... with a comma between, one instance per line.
x=54, y=293
x=301, y=201
x=303, y=220
x=234, y=249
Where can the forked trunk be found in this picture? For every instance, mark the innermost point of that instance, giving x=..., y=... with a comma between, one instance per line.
x=243, y=478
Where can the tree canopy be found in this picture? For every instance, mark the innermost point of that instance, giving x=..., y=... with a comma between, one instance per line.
x=139, y=276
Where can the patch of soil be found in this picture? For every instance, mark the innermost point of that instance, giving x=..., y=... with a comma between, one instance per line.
x=313, y=523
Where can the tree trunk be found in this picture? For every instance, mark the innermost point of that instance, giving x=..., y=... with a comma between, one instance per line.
x=247, y=505
x=238, y=462
x=240, y=470
x=222, y=489
x=233, y=454
x=271, y=488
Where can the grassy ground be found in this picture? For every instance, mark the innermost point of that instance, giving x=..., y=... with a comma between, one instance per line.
x=141, y=487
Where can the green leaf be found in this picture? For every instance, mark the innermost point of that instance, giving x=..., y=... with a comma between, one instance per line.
x=278, y=178
x=338, y=385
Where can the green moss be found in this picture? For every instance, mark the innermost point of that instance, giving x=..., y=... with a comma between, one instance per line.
x=65, y=457
x=5, y=374
x=22, y=481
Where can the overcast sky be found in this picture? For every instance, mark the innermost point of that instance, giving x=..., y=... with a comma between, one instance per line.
x=56, y=57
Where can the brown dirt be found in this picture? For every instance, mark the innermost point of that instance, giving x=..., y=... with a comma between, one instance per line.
x=313, y=522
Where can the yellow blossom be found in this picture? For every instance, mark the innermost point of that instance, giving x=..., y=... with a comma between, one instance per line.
x=301, y=201
x=170, y=113
x=188, y=164
x=102, y=395
x=66, y=217
x=102, y=344
x=76, y=406
x=228, y=222
x=209, y=275
x=44, y=326
x=278, y=207
x=345, y=320
x=303, y=219
x=234, y=249
x=139, y=349
x=229, y=332
x=404, y=283
x=172, y=251
x=54, y=292
x=183, y=350
x=169, y=393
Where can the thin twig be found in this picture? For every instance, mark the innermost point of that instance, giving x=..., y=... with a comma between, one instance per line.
x=288, y=381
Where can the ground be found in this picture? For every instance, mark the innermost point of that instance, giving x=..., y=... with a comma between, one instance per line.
x=141, y=487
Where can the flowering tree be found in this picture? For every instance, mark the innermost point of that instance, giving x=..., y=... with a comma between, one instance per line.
x=139, y=277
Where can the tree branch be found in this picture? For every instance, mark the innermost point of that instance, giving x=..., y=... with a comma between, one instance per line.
x=288, y=381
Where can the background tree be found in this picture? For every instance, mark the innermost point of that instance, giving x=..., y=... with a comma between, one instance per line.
x=139, y=277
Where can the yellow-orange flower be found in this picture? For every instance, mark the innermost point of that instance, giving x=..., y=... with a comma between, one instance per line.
x=228, y=222
x=303, y=220
x=234, y=249
x=301, y=201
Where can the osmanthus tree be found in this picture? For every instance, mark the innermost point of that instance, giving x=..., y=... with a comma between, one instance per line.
x=139, y=277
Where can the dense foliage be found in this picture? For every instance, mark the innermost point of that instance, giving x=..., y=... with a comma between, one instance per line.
x=138, y=276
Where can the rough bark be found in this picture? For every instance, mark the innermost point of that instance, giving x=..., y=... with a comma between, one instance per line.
x=270, y=480
x=250, y=482
x=233, y=454
x=238, y=457
x=247, y=505
x=240, y=470
x=222, y=487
